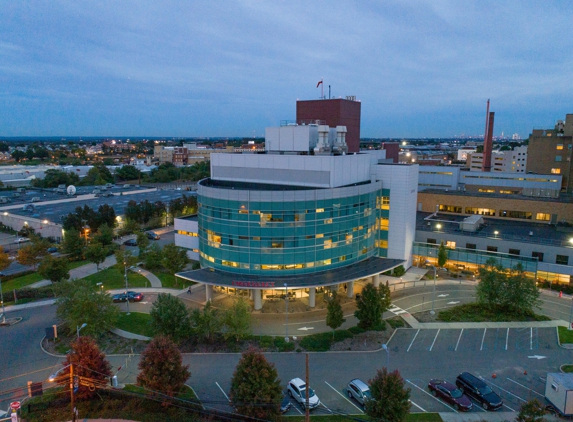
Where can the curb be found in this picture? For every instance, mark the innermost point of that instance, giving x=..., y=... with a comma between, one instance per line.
x=48, y=353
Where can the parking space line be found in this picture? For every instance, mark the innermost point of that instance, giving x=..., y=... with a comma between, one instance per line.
x=344, y=397
x=506, y=338
x=222, y=391
x=435, y=398
x=431, y=347
x=196, y=396
x=412, y=342
x=503, y=389
x=527, y=388
x=483, y=338
x=530, y=338
x=421, y=408
x=329, y=411
x=459, y=338
x=295, y=406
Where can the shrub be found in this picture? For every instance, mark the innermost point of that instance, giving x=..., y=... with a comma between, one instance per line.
x=282, y=346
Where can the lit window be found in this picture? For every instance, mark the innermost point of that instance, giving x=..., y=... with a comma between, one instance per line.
x=320, y=236
x=560, y=146
x=543, y=216
x=320, y=210
x=327, y=244
x=450, y=244
x=555, y=171
x=326, y=262
x=328, y=221
x=348, y=239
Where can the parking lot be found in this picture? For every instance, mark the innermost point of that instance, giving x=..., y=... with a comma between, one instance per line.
x=513, y=362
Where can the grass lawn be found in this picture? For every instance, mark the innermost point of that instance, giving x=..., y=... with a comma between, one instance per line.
x=185, y=394
x=26, y=280
x=135, y=322
x=565, y=335
x=567, y=368
x=168, y=280
x=112, y=278
x=473, y=312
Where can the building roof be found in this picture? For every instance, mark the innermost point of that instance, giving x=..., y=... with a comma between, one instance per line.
x=362, y=269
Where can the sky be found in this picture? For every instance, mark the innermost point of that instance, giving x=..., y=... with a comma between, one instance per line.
x=207, y=68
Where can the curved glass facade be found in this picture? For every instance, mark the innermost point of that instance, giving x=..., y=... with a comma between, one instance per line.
x=281, y=230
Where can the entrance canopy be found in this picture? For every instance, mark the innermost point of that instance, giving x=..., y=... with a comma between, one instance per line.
x=362, y=269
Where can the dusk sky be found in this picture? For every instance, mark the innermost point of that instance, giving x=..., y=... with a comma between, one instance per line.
x=232, y=68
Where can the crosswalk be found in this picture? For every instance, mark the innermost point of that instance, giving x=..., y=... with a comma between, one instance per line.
x=397, y=311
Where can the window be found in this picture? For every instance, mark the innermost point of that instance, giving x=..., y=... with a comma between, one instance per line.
x=516, y=252
x=320, y=210
x=451, y=208
x=560, y=146
x=542, y=216
x=492, y=248
x=480, y=211
x=450, y=244
x=538, y=255
x=558, y=158
x=328, y=221
x=327, y=244
x=471, y=246
x=562, y=260
x=515, y=214
x=432, y=241
x=555, y=171
x=348, y=239
x=384, y=224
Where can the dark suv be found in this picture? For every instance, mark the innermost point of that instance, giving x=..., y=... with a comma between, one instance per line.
x=479, y=391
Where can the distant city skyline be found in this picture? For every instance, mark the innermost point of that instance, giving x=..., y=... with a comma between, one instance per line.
x=422, y=69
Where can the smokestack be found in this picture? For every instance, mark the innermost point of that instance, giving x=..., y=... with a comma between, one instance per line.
x=487, y=140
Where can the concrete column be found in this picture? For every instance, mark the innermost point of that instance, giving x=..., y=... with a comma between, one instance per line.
x=312, y=297
x=251, y=294
x=258, y=299
x=376, y=280
x=350, y=289
x=208, y=292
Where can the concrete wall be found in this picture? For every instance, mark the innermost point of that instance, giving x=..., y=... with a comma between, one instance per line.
x=190, y=243
x=45, y=229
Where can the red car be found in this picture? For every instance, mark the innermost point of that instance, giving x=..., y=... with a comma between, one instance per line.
x=450, y=394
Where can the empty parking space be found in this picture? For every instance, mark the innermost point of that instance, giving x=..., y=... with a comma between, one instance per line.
x=446, y=341
x=471, y=339
x=424, y=341
x=402, y=339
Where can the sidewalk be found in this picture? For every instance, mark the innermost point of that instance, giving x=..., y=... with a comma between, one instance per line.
x=414, y=323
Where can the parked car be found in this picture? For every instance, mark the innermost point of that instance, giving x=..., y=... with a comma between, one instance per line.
x=285, y=404
x=125, y=296
x=359, y=391
x=450, y=394
x=152, y=235
x=130, y=242
x=52, y=250
x=21, y=240
x=479, y=391
x=297, y=390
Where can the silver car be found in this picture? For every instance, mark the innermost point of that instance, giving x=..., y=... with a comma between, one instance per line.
x=359, y=391
x=296, y=389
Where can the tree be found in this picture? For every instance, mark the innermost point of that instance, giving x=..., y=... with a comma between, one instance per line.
x=96, y=253
x=372, y=304
x=104, y=235
x=255, y=387
x=174, y=258
x=128, y=173
x=170, y=318
x=334, y=315
x=531, y=411
x=442, y=255
x=124, y=258
x=506, y=290
x=131, y=226
x=30, y=255
x=153, y=257
x=4, y=260
x=237, y=320
x=399, y=271
x=390, y=399
x=206, y=322
x=89, y=364
x=161, y=367
x=54, y=269
x=142, y=244
x=78, y=302
x=73, y=244
x=105, y=215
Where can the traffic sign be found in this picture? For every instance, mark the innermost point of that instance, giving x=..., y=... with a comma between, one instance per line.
x=15, y=405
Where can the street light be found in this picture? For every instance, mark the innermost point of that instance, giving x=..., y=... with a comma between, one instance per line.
x=286, y=312
x=495, y=233
x=100, y=284
x=78, y=328
x=2, y=300
x=438, y=226
x=385, y=347
x=432, y=312
x=125, y=275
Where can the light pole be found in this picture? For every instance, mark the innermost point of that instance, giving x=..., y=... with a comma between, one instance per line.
x=286, y=312
x=78, y=328
x=571, y=316
x=127, y=296
x=2, y=300
x=385, y=347
x=432, y=312
x=53, y=377
x=100, y=284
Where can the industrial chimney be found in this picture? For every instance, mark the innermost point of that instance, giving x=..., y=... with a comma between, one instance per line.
x=487, y=139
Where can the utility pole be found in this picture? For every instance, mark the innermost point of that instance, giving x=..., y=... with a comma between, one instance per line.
x=72, y=392
x=307, y=410
x=127, y=296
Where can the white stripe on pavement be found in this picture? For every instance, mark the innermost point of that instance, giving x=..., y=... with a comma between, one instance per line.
x=459, y=338
x=222, y=391
x=196, y=396
x=527, y=388
x=412, y=342
x=483, y=338
x=435, y=398
x=432, y=346
x=421, y=408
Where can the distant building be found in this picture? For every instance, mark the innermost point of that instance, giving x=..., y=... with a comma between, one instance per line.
x=514, y=161
x=550, y=151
